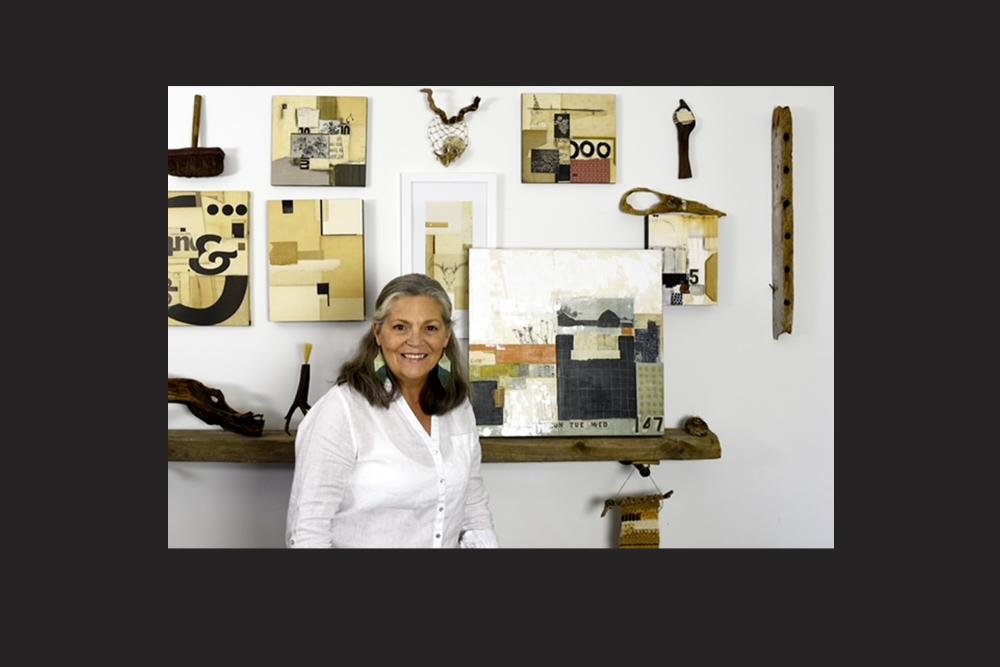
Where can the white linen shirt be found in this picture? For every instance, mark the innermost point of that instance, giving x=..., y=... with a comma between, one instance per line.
x=372, y=477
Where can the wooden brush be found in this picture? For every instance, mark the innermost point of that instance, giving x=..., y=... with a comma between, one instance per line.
x=195, y=161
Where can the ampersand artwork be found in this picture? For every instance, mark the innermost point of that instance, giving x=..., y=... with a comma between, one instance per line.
x=208, y=281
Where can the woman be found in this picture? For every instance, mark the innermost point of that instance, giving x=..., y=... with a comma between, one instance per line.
x=390, y=456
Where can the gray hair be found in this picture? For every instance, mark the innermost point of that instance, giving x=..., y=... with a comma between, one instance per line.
x=359, y=370
x=411, y=284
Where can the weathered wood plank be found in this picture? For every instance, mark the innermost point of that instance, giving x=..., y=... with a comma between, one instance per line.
x=782, y=223
x=223, y=446
x=276, y=447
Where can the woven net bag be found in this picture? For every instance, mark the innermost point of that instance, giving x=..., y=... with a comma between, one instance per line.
x=449, y=137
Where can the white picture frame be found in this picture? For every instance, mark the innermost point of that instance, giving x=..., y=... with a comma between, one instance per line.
x=417, y=190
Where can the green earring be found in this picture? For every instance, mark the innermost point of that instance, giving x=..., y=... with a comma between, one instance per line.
x=381, y=370
x=444, y=371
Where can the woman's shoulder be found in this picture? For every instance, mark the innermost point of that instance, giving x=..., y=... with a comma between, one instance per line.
x=341, y=396
x=340, y=405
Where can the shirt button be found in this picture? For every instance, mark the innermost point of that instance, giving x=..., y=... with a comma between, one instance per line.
x=440, y=509
x=442, y=480
x=438, y=535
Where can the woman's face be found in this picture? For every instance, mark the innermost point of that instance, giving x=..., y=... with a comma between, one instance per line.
x=412, y=338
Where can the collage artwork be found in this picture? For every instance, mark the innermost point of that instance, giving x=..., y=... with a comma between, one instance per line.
x=560, y=342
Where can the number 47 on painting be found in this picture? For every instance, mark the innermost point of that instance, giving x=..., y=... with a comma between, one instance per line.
x=649, y=421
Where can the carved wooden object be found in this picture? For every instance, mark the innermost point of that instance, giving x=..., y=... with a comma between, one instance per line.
x=194, y=161
x=209, y=405
x=301, y=400
x=782, y=223
x=685, y=122
x=666, y=204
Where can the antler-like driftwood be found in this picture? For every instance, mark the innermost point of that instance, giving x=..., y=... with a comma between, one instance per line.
x=633, y=500
x=441, y=114
x=667, y=204
x=209, y=405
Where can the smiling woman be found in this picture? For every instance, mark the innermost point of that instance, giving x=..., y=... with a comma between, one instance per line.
x=412, y=340
x=390, y=456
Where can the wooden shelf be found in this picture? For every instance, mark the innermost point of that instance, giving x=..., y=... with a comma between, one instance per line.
x=276, y=447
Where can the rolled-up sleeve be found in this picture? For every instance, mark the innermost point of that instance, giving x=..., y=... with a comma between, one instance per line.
x=325, y=453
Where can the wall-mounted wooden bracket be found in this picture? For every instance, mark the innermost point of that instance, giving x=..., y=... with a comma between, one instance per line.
x=641, y=466
x=782, y=223
x=694, y=441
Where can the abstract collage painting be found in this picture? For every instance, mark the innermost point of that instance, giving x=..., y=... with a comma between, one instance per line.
x=316, y=260
x=449, y=235
x=443, y=215
x=566, y=342
x=319, y=140
x=568, y=138
x=690, y=246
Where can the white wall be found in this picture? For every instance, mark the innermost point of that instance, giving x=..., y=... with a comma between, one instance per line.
x=770, y=402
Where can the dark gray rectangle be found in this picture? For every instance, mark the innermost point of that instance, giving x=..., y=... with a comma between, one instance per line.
x=349, y=174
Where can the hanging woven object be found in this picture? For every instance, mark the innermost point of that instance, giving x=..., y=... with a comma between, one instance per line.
x=640, y=522
x=640, y=515
x=449, y=137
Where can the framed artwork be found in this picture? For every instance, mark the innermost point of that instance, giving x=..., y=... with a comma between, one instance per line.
x=690, y=246
x=318, y=140
x=316, y=260
x=566, y=342
x=442, y=217
x=208, y=251
x=568, y=138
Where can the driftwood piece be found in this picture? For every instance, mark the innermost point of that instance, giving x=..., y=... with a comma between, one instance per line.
x=685, y=121
x=666, y=204
x=209, y=405
x=782, y=223
x=274, y=446
x=442, y=115
x=632, y=500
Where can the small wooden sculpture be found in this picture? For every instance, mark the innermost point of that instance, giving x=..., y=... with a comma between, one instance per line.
x=301, y=400
x=209, y=405
x=449, y=137
x=696, y=426
x=685, y=122
x=666, y=204
x=195, y=161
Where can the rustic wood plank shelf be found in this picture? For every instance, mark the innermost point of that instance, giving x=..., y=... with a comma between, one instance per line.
x=693, y=442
